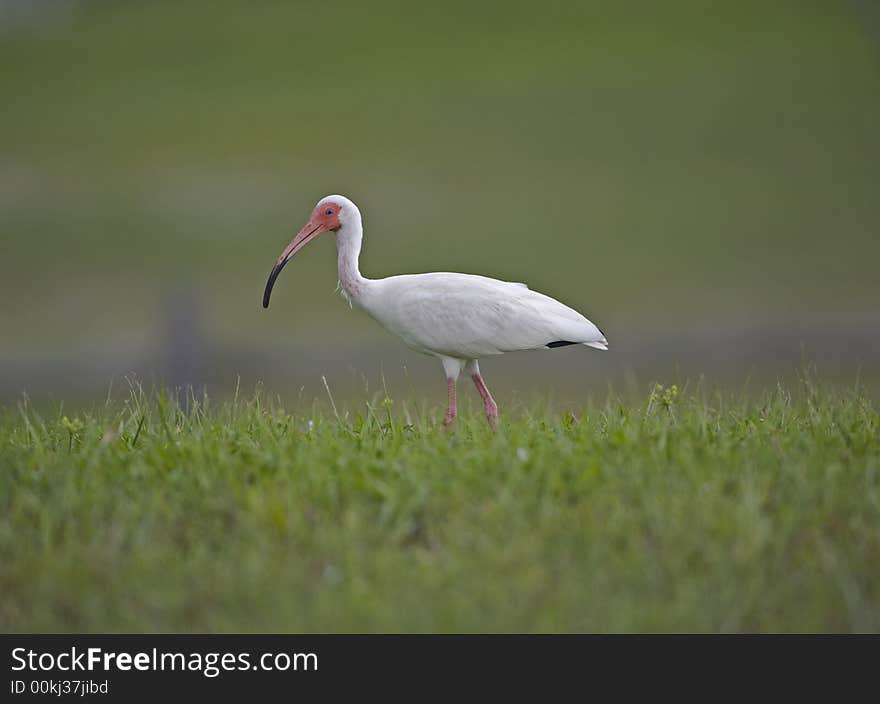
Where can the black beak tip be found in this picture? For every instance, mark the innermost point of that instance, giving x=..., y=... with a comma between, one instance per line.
x=271, y=283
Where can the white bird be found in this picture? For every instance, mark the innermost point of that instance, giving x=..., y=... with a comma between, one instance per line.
x=458, y=318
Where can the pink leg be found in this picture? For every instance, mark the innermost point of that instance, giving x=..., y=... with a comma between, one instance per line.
x=489, y=404
x=449, y=418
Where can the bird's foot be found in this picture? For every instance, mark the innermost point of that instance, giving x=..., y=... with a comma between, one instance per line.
x=492, y=416
x=451, y=407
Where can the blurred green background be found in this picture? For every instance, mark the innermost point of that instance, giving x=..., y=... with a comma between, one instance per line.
x=700, y=179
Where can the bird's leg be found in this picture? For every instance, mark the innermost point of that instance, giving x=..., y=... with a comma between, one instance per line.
x=489, y=404
x=452, y=367
x=451, y=410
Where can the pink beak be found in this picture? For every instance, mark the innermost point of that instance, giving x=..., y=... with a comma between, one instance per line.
x=303, y=237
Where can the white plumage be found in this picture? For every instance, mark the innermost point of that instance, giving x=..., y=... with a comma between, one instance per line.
x=469, y=317
x=458, y=318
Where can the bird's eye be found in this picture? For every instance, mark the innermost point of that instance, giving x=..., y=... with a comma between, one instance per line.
x=329, y=211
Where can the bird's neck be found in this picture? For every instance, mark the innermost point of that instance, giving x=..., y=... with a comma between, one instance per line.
x=348, y=245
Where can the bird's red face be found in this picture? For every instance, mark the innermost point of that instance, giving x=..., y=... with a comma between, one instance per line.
x=325, y=217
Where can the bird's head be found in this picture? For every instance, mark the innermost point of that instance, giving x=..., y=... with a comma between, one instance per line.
x=330, y=214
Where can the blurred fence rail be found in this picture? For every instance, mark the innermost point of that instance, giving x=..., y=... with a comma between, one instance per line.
x=184, y=354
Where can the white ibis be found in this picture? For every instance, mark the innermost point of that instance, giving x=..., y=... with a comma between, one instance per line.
x=458, y=318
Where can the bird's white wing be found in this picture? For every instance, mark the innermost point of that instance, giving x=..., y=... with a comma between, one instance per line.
x=468, y=317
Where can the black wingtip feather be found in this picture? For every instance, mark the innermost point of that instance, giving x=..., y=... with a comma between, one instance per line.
x=560, y=343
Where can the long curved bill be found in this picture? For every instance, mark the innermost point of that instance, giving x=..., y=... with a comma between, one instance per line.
x=303, y=237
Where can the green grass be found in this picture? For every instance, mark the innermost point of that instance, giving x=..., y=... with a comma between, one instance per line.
x=683, y=510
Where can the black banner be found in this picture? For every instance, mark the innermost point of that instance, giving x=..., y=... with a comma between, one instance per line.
x=144, y=668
